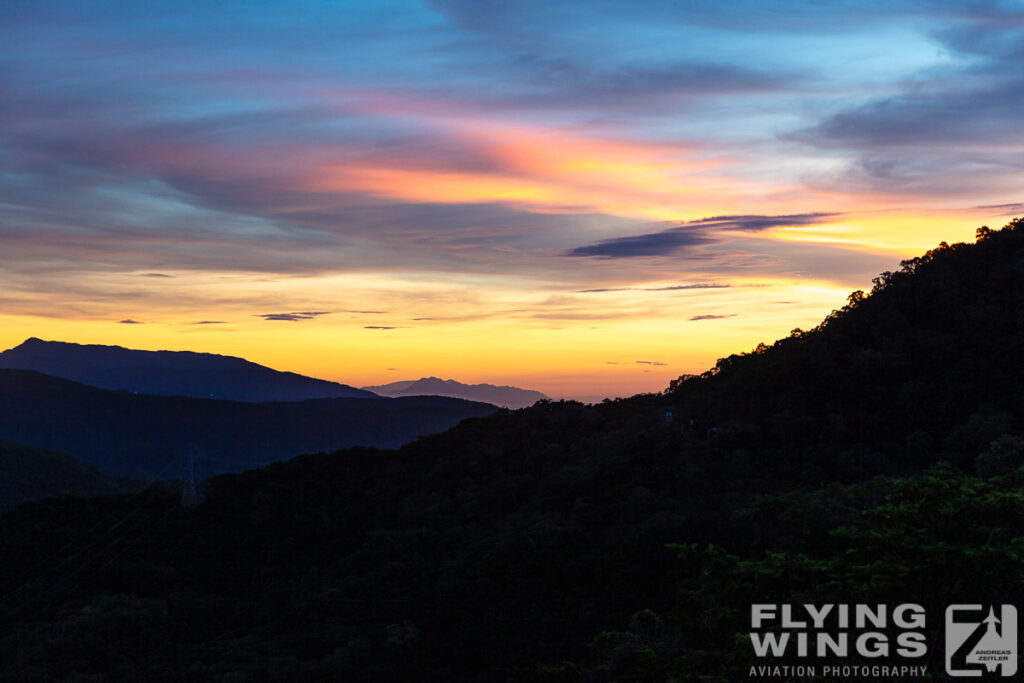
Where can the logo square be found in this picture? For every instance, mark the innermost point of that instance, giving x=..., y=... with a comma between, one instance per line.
x=981, y=640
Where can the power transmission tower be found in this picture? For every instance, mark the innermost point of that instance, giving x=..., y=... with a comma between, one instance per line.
x=189, y=496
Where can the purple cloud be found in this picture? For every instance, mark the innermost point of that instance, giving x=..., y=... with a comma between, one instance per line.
x=292, y=317
x=692, y=234
x=712, y=317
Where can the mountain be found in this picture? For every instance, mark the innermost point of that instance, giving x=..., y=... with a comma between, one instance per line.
x=170, y=373
x=391, y=387
x=135, y=434
x=28, y=473
x=504, y=396
x=875, y=459
x=935, y=352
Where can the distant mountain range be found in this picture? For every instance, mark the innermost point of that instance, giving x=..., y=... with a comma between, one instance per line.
x=504, y=396
x=170, y=373
x=141, y=435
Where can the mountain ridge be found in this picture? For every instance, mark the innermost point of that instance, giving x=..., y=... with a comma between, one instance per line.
x=136, y=434
x=504, y=395
x=170, y=373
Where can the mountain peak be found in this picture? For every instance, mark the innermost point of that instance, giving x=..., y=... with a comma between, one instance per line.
x=180, y=373
x=506, y=396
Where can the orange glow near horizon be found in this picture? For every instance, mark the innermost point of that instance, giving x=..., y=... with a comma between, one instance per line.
x=583, y=346
x=898, y=232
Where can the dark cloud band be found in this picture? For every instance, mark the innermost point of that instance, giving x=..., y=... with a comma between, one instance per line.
x=693, y=234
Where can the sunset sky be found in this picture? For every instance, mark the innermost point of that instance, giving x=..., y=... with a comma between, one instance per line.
x=587, y=198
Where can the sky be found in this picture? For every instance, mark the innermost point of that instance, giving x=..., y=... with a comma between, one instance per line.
x=588, y=199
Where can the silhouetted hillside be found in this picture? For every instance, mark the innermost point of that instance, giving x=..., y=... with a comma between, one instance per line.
x=28, y=473
x=170, y=373
x=931, y=362
x=566, y=542
x=504, y=396
x=135, y=434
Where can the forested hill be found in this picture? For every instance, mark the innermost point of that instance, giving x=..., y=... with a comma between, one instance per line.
x=28, y=473
x=929, y=363
x=566, y=542
x=139, y=435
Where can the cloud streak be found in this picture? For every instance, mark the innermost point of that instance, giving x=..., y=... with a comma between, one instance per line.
x=689, y=236
x=292, y=317
x=670, y=288
x=671, y=241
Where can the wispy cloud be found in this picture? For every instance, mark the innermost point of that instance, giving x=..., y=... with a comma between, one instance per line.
x=129, y=321
x=672, y=288
x=951, y=130
x=1012, y=209
x=671, y=241
x=688, y=236
x=758, y=223
x=292, y=317
x=712, y=317
x=669, y=288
